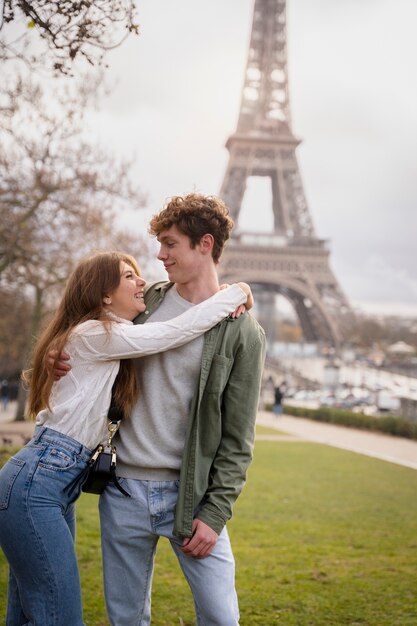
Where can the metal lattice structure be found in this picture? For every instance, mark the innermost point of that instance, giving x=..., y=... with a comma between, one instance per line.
x=291, y=261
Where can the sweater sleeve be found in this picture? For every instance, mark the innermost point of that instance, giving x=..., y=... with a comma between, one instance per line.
x=125, y=341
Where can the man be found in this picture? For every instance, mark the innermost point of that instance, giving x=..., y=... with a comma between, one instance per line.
x=184, y=451
x=278, y=397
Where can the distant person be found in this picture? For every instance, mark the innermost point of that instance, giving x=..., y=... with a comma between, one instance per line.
x=4, y=394
x=13, y=390
x=278, y=398
x=39, y=484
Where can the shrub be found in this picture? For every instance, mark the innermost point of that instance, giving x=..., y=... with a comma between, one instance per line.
x=388, y=424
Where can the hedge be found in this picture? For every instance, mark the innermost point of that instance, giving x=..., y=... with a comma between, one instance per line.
x=389, y=424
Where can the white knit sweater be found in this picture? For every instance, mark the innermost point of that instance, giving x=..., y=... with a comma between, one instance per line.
x=79, y=401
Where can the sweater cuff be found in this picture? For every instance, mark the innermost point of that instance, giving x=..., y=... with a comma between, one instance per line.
x=238, y=291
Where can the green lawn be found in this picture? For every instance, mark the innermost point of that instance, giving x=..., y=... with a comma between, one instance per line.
x=321, y=537
x=265, y=430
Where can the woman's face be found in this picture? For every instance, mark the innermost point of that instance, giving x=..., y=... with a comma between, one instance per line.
x=126, y=301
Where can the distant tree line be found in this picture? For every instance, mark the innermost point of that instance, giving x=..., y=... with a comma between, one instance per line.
x=366, y=331
x=369, y=331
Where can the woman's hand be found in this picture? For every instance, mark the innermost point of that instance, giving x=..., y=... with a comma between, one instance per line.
x=249, y=299
x=248, y=291
x=58, y=363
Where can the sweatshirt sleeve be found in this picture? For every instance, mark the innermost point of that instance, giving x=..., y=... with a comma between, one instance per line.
x=125, y=341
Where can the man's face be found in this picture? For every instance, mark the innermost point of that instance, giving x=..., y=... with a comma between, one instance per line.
x=181, y=261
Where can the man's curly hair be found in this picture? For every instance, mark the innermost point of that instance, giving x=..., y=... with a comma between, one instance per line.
x=196, y=215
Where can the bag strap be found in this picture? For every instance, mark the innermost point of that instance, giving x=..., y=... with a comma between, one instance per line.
x=115, y=413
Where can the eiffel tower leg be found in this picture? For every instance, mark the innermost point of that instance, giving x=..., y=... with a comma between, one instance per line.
x=233, y=189
x=276, y=205
x=305, y=320
x=265, y=301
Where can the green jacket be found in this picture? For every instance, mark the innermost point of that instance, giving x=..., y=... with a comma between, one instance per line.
x=219, y=441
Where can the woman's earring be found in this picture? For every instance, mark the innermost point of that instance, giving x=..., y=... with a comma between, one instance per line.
x=107, y=300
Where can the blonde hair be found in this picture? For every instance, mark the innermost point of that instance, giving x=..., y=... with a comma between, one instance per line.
x=92, y=279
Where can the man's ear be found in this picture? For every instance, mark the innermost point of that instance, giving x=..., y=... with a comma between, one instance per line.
x=207, y=243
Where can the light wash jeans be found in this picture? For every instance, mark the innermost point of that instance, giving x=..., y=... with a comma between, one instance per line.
x=130, y=529
x=37, y=530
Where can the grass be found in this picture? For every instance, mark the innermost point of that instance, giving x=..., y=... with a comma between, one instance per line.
x=265, y=430
x=321, y=537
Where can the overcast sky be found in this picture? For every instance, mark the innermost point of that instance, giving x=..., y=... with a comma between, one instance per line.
x=353, y=93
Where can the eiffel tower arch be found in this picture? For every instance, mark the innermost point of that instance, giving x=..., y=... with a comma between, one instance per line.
x=291, y=260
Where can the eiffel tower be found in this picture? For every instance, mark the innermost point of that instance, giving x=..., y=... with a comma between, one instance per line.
x=292, y=260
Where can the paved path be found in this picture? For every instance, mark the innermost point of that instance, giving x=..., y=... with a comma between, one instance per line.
x=13, y=433
x=392, y=449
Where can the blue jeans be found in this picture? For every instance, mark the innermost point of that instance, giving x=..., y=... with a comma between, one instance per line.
x=37, y=530
x=130, y=529
x=277, y=409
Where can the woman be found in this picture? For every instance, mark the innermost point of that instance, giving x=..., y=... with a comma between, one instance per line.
x=94, y=325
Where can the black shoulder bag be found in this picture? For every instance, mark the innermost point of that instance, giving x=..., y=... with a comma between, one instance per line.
x=102, y=465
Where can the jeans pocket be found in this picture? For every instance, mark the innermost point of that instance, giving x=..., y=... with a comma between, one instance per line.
x=57, y=457
x=8, y=475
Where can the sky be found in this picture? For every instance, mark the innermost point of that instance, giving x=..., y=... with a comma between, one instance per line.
x=175, y=98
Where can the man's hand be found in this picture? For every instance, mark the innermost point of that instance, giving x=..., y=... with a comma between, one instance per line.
x=59, y=367
x=202, y=542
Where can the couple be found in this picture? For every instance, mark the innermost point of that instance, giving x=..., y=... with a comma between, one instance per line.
x=183, y=451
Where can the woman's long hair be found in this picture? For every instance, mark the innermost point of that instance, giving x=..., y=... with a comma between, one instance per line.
x=92, y=279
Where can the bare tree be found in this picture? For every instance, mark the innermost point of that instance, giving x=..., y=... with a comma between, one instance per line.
x=59, y=193
x=70, y=30
x=15, y=322
x=55, y=185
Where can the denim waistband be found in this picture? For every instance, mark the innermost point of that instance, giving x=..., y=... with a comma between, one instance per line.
x=42, y=434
